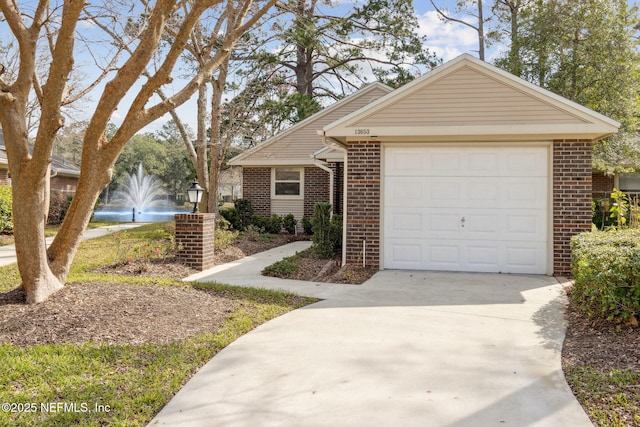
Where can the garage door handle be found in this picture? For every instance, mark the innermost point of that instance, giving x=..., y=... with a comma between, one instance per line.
x=462, y=222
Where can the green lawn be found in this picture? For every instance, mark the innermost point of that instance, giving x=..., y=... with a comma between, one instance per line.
x=125, y=385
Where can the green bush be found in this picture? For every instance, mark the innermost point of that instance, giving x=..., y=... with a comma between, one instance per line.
x=244, y=212
x=58, y=207
x=274, y=224
x=231, y=216
x=327, y=231
x=307, y=226
x=259, y=223
x=271, y=225
x=6, y=219
x=282, y=268
x=289, y=223
x=606, y=268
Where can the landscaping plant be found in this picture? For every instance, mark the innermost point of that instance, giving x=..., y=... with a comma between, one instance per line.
x=606, y=268
x=327, y=231
x=6, y=221
x=289, y=223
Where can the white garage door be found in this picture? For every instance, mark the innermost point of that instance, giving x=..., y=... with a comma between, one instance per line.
x=466, y=209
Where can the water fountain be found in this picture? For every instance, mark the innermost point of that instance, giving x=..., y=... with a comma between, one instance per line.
x=141, y=198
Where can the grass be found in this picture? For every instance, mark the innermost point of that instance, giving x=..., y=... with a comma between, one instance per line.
x=6, y=239
x=606, y=395
x=121, y=385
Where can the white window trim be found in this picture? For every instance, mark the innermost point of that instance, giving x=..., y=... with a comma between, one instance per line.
x=273, y=184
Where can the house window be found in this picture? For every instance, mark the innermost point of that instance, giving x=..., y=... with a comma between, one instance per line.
x=629, y=183
x=287, y=182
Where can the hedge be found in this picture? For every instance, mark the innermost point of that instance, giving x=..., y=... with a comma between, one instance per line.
x=6, y=219
x=606, y=269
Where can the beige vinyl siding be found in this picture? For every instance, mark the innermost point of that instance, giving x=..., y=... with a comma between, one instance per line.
x=298, y=145
x=467, y=97
x=285, y=207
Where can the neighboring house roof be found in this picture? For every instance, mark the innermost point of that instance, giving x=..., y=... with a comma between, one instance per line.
x=468, y=98
x=59, y=165
x=295, y=145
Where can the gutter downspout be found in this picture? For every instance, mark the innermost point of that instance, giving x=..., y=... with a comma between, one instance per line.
x=339, y=146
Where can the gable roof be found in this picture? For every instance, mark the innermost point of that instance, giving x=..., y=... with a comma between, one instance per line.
x=59, y=165
x=469, y=99
x=295, y=145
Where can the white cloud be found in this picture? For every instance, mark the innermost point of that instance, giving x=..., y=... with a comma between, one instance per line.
x=447, y=39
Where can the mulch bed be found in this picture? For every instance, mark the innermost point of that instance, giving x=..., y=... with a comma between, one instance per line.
x=111, y=313
x=601, y=344
x=603, y=347
x=126, y=314
x=314, y=269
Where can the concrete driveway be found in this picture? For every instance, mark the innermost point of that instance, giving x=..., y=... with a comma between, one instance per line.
x=406, y=348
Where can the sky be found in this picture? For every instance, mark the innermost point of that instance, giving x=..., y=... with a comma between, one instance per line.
x=446, y=40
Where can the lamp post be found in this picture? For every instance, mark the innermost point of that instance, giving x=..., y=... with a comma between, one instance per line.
x=195, y=195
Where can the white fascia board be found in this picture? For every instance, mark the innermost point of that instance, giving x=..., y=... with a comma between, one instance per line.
x=554, y=131
x=267, y=162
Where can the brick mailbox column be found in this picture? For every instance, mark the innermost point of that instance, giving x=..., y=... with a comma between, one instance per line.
x=194, y=238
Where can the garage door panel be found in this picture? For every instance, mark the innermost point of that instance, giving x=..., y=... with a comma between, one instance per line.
x=482, y=257
x=467, y=209
x=481, y=192
x=516, y=224
x=467, y=161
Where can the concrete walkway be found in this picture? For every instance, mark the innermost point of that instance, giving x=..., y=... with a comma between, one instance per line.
x=405, y=348
x=8, y=252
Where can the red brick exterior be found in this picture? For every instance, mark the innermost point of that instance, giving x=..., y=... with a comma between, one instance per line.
x=256, y=186
x=572, y=193
x=64, y=184
x=195, y=238
x=4, y=176
x=602, y=185
x=316, y=188
x=363, y=202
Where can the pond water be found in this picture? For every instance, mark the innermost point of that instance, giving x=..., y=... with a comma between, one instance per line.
x=126, y=215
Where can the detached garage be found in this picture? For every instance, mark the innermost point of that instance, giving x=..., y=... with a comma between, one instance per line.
x=467, y=168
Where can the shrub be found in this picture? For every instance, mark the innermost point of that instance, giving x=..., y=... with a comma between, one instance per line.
x=244, y=211
x=289, y=223
x=259, y=223
x=274, y=224
x=58, y=207
x=282, y=268
x=224, y=237
x=231, y=216
x=606, y=268
x=271, y=225
x=307, y=226
x=327, y=232
x=6, y=218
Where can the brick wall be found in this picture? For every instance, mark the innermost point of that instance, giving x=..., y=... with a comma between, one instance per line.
x=4, y=176
x=64, y=184
x=195, y=238
x=316, y=188
x=602, y=185
x=363, y=202
x=572, y=193
x=256, y=186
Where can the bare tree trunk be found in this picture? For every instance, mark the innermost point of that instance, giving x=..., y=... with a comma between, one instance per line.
x=29, y=219
x=202, y=168
x=216, y=150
